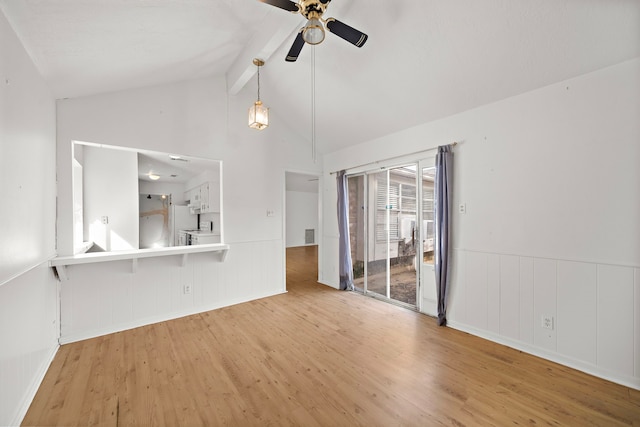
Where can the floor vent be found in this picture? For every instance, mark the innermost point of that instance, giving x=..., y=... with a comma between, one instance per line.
x=309, y=236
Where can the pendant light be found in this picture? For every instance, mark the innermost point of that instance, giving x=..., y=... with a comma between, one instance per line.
x=258, y=113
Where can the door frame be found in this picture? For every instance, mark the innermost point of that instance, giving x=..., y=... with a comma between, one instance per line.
x=427, y=271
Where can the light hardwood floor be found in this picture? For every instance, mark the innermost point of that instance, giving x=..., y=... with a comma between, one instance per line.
x=316, y=357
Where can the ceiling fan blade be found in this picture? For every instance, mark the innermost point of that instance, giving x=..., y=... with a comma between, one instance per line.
x=295, y=48
x=283, y=4
x=350, y=34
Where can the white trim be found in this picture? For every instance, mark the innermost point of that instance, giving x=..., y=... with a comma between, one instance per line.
x=586, y=261
x=73, y=337
x=60, y=263
x=26, y=270
x=94, y=257
x=328, y=284
x=284, y=231
x=33, y=388
x=627, y=381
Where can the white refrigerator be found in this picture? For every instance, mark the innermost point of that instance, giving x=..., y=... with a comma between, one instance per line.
x=181, y=219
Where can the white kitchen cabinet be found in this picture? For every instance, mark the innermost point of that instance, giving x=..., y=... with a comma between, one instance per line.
x=209, y=198
x=194, y=197
x=204, y=197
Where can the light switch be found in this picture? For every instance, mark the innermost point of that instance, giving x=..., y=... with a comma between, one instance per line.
x=270, y=212
x=105, y=220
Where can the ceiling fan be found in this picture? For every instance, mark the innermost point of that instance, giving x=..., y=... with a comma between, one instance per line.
x=313, y=31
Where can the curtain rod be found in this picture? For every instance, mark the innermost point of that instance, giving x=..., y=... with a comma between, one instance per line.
x=453, y=144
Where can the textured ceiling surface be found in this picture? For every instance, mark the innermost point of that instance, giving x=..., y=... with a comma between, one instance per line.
x=424, y=60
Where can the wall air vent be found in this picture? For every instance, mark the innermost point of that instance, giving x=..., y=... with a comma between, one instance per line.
x=309, y=236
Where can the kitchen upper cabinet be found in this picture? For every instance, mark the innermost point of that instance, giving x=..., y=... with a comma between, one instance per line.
x=194, y=197
x=204, y=198
x=209, y=198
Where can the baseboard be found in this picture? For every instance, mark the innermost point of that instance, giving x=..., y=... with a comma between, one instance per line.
x=79, y=336
x=33, y=388
x=327, y=284
x=588, y=368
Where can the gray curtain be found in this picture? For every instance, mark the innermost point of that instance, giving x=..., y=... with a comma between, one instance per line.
x=345, y=265
x=443, y=188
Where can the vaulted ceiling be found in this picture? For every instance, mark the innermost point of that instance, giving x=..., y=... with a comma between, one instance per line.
x=424, y=59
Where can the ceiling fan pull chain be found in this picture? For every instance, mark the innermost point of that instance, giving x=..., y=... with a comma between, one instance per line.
x=313, y=103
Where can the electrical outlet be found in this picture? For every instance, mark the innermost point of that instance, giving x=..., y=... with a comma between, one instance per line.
x=186, y=289
x=547, y=322
x=462, y=208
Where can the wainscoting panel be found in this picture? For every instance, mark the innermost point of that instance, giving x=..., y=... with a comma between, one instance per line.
x=510, y=296
x=493, y=293
x=545, y=273
x=577, y=310
x=526, y=299
x=209, y=274
x=477, y=289
x=594, y=309
x=28, y=338
x=458, y=310
x=107, y=297
x=615, y=318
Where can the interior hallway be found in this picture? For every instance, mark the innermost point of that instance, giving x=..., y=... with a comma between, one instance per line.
x=316, y=356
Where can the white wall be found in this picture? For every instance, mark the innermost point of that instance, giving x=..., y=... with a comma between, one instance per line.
x=302, y=214
x=27, y=174
x=28, y=292
x=111, y=189
x=550, y=180
x=105, y=297
x=194, y=118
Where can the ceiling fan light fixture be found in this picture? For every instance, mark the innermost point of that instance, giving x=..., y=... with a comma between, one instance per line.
x=313, y=32
x=258, y=113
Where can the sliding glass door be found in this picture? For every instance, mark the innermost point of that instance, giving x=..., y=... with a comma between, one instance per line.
x=384, y=235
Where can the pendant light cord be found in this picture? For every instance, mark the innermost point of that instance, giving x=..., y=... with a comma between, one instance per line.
x=258, y=83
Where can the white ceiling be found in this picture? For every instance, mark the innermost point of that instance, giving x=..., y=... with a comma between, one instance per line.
x=173, y=169
x=424, y=59
x=301, y=182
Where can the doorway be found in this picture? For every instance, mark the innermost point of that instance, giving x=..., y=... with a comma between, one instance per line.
x=391, y=232
x=301, y=220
